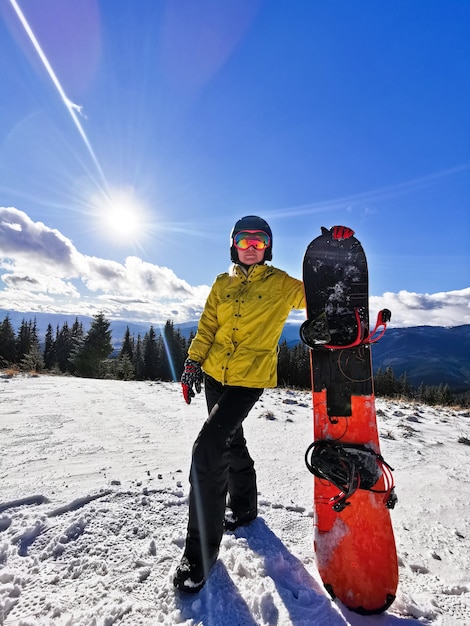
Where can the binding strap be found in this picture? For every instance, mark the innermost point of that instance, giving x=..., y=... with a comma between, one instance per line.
x=350, y=467
x=315, y=332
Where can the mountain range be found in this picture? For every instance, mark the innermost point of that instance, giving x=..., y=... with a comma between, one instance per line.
x=428, y=354
x=432, y=355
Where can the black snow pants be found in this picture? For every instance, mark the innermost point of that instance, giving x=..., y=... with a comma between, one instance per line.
x=220, y=464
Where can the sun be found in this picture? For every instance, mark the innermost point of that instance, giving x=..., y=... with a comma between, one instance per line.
x=122, y=215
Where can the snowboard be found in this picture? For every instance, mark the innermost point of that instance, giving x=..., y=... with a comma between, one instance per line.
x=353, y=485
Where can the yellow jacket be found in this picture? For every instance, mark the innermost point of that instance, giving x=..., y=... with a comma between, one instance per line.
x=239, y=330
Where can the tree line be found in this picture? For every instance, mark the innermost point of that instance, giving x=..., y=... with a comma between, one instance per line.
x=294, y=371
x=70, y=349
x=387, y=384
x=160, y=356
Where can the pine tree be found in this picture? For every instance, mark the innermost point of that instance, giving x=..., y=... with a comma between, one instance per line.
x=389, y=383
x=162, y=371
x=404, y=386
x=63, y=346
x=49, y=354
x=89, y=356
x=179, y=356
x=76, y=341
x=23, y=340
x=138, y=361
x=77, y=329
x=300, y=366
x=172, y=353
x=127, y=345
x=124, y=368
x=283, y=364
x=430, y=395
x=150, y=355
x=444, y=395
x=7, y=342
x=420, y=393
x=33, y=361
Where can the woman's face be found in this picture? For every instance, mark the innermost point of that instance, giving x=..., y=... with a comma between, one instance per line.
x=250, y=256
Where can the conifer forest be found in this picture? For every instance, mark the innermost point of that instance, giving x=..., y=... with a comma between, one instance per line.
x=160, y=355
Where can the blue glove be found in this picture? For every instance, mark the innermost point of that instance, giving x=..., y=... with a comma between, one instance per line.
x=192, y=376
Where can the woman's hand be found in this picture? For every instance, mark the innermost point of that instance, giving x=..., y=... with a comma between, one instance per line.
x=192, y=376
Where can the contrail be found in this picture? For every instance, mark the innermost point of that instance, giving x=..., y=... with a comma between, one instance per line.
x=375, y=195
x=71, y=107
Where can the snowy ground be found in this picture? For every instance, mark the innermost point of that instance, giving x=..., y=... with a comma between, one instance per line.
x=93, y=504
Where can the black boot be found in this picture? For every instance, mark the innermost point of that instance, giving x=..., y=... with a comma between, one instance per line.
x=233, y=521
x=189, y=577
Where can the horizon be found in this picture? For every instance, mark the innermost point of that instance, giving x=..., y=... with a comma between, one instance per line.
x=133, y=137
x=28, y=316
x=445, y=351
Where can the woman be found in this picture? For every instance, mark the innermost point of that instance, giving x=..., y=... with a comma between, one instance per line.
x=236, y=347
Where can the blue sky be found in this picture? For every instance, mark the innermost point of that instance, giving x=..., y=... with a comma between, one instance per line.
x=178, y=117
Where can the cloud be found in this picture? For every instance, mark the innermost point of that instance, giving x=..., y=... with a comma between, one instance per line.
x=135, y=277
x=41, y=284
x=42, y=271
x=27, y=242
x=448, y=308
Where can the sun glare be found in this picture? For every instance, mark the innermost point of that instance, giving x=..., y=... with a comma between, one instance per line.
x=122, y=215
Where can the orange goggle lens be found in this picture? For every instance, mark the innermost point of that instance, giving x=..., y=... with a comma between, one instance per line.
x=247, y=238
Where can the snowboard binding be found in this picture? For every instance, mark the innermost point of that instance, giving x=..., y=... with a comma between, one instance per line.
x=315, y=332
x=350, y=467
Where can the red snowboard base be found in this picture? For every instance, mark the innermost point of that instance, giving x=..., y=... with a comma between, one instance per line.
x=355, y=548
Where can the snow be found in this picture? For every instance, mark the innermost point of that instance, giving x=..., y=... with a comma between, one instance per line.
x=93, y=506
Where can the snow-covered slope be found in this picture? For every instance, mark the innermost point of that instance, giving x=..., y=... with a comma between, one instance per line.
x=93, y=503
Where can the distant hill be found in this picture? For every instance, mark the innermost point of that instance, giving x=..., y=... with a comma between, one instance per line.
x=429, y=354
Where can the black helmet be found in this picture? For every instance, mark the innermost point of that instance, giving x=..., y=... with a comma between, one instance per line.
x=251, y=222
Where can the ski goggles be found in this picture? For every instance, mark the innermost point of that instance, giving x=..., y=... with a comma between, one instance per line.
x=256, y=238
